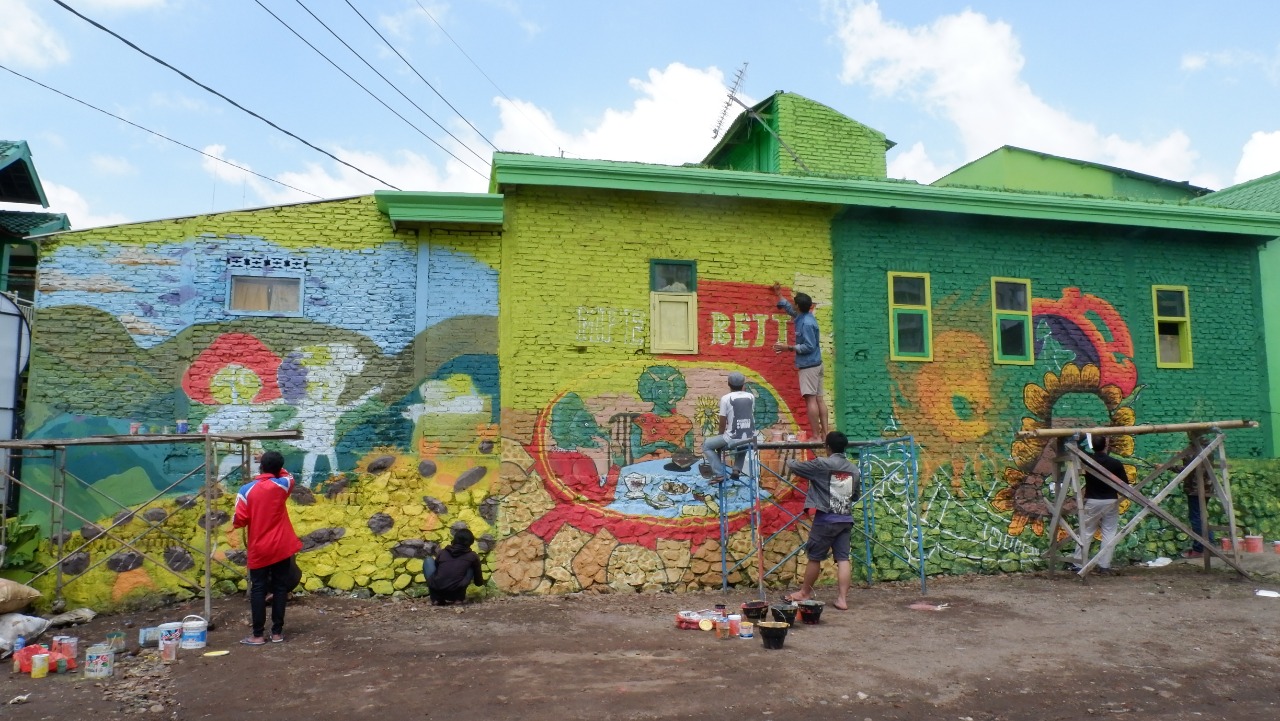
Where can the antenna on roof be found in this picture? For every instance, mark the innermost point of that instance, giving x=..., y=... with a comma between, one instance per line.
x=733, y=95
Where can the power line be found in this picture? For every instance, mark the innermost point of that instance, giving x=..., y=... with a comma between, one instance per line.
x=159, y=135
x=415, y=72
x=388, y=82
x=367, y=90
x=486, y=75
x=192, y=80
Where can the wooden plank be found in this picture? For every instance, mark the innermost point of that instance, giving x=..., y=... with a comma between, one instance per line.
x=1136, y=430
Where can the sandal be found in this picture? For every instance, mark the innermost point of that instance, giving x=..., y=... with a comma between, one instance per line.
x=250, y=641
x=277, y=638
x=789, y=598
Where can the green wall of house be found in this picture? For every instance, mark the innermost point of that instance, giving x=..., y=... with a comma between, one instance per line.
x=1018, y=169
x=1269, y=262
x=1094, y=339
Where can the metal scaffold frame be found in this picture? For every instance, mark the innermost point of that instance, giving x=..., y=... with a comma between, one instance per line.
x=888, y=468
x=1204, y=458
x=55, y=450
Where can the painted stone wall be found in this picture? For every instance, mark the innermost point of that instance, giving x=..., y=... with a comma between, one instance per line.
x=985, y=505
x=600, y=483
x=390, y=373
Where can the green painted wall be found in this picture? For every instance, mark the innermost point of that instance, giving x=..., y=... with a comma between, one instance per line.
x=1017, y=169
x=1269, y=263
x=1095, y=361
x=828, y=142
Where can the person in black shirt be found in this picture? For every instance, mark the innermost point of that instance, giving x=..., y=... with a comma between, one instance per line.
x=455, y=567
x=1101, y=506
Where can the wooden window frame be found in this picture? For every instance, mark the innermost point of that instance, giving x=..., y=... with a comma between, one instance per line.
x=897, y=310
x=998, y=314
x=1183, y=322
x=273, y=275
x=657, y=298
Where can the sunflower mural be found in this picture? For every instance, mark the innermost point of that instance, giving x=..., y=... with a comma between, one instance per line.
x=1024, y=493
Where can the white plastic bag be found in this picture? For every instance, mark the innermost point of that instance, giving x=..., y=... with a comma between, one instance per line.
x=13, y=625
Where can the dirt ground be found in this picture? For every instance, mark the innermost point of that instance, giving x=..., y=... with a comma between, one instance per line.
x=1172, y=643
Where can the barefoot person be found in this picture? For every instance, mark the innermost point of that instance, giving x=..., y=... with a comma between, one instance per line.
x=808, y=358
x=833, y=488
x=271, y=544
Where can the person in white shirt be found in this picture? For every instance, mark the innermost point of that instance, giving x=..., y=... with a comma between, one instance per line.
x=737, y=428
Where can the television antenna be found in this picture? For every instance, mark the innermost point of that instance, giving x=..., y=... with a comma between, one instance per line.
x=733, y=95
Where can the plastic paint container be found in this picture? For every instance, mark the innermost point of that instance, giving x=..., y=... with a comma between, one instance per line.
x=1253, y=544
x=149, y=636
x=195, y=631
x=735, y=624
x=99, y=661
x=168, y=650
x=115, y=639
x=183, y=427
x=70, y=646
x=40, y=665
x=746, y=630
x=169, y=631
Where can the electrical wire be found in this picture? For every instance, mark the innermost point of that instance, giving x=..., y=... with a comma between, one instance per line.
x=367, y=90
x=415, y=72
x=192, y=80
x=158, y=135
x=388, y=82
x=476, y=65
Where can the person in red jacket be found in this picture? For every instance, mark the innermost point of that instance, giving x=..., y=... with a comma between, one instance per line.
x=271, y=544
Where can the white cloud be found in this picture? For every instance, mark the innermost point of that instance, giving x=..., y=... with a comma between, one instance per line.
x=1194, y=61
x=407, y=171
x=112, y=165
x=411, y=23
x=111, y=5
x=26, y=40
x=65, y=200
x=1260, y=156
x=914, y=163
x=670, y=121
x=967, y=69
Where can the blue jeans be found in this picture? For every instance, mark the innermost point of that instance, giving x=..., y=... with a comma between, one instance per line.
x=1195, y=516
x=711, y=451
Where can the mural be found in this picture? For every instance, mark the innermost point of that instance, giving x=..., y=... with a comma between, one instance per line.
x=398, y=424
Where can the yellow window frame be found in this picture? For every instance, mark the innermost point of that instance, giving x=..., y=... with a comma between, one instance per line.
x=998, y=314
x=683, y=306
x=1183, y=322
x=898, y=310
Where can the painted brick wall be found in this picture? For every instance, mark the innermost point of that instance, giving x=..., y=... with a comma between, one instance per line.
x=827, y=141
x=1093, y=328
x=390, y=373
x=587, y=410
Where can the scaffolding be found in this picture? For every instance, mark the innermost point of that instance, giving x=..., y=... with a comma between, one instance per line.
x=888, y=471
x=1204, y=458
x=228, y=445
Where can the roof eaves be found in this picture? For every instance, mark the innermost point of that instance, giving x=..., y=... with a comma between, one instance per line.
x=511, y=169
x=421, y=208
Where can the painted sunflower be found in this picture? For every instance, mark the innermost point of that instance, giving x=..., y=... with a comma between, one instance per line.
x=1024, y=492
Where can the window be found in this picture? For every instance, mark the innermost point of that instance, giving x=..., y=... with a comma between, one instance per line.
x=910, y=320
x=265, y=295
x=1173, y=326
x=673, y=306
x=1011, y=321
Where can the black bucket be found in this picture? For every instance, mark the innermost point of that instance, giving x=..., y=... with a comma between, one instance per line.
x=772, y=633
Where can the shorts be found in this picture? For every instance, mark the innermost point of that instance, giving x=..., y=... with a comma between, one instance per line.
x=828, y=538
x=811, y=380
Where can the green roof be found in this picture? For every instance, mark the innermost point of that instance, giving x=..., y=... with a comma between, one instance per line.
x=510, y=169
x=409, y=208
x=18, y=224
x=18, y=180
x=1257, y=194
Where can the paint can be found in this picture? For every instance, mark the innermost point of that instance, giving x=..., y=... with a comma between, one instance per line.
x=168, y=650
x=99, y=661
x=195, y=631
x=1253, y=544
x=204, y=428
x=55, y=644
x=149, y=636
x=115, y=639
x=40, y=665
x=735, y=624
x=1226, y=544
x=70, y=646
x=171, y=631
x=183, y=426
x=1275, y=546
x=746, y=629
x=134, y=428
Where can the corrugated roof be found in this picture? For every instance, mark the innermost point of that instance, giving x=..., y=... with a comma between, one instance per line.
x=20, y=224
x=1257, y=194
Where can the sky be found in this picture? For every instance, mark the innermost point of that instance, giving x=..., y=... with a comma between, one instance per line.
x=418, y=94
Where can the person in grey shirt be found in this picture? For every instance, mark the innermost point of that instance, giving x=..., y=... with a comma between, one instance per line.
x=834, y=486
x=737, y=428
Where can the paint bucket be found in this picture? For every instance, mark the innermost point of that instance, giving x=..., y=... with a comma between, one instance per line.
x=735, y=624
x=755, y=610
x=746, y=630
x=134, y=428
x=722, y=629
x=70, y=646
x=1226, y=544
x=195, y=631
x=149, y=636
x=115, y=639
x=1275, y=546
x=171, y=630
x=772, y=633
x=1253, y=544
x=168, y=650
x=811, y=612
x=40, y=665
x=99, y=661
x=183, y=426
x=784, y=613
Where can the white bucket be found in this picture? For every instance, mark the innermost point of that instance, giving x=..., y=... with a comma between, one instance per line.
x=194, y=632
x=98, y=661
x=171, y=630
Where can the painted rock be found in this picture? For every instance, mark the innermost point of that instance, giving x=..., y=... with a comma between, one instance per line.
x=427, y=469
x=469, y=478
x=435, y=505
x=178, y=559
x=381, y=463
x=76, y=563
x=125, y=561
x=380, y=523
